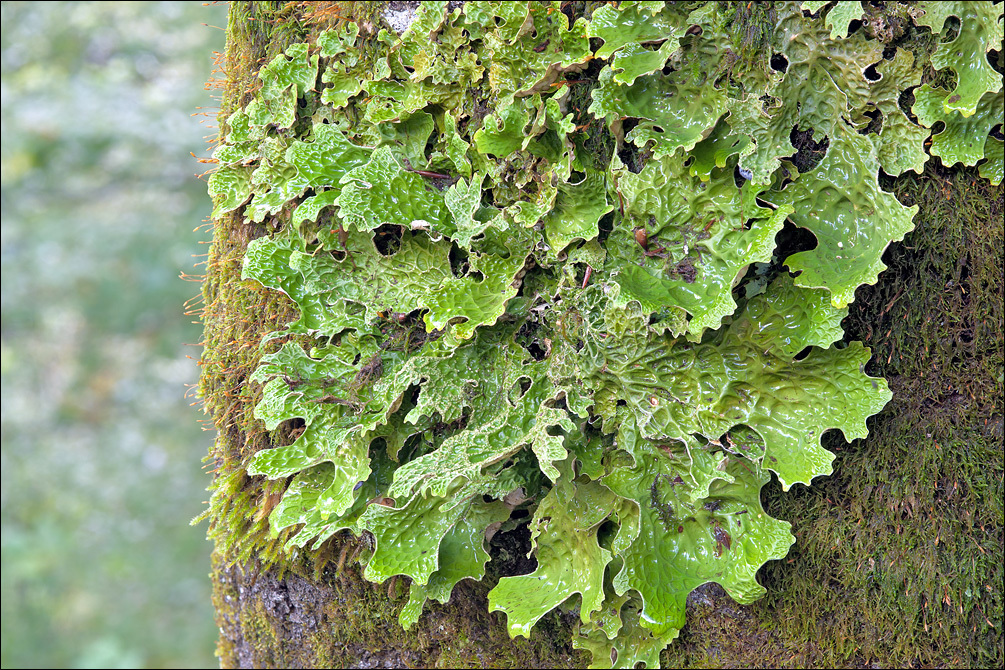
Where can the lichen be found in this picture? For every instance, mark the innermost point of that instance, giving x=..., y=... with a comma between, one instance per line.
x=492, y=320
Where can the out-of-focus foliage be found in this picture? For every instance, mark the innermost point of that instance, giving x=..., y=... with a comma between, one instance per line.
x=99, y=461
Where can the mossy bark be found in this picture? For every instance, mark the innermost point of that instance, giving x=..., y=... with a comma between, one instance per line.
x=899, y=554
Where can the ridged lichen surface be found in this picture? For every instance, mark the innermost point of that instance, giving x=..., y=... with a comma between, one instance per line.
x=574, y=274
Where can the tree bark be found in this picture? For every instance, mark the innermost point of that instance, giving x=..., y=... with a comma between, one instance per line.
x=898, y=555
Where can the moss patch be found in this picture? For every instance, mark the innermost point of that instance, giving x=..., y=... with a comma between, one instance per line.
x=290, y=618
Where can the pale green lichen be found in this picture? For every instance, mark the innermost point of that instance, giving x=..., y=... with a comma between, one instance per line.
x=500, y=322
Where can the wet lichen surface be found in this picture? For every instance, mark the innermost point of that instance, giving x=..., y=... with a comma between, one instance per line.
x=541, y=294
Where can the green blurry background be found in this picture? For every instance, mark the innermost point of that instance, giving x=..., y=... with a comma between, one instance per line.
x=101, y=457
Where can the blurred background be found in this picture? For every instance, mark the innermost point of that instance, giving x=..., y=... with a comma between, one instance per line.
x=101, y=451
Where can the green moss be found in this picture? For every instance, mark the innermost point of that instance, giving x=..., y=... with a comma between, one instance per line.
x=751, y=24
x=295, y=620
x=236, y=315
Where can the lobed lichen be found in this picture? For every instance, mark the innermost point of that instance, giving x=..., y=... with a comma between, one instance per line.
x=627, y=393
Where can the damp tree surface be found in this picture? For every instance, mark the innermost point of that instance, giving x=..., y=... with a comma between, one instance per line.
x=581, y=271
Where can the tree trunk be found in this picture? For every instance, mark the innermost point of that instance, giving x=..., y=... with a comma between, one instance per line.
x=898, y=559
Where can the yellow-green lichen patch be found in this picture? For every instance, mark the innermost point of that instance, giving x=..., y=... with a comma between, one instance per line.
x=898, y=553
x=482, y=330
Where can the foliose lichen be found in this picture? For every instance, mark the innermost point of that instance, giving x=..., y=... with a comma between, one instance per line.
x=508, y=324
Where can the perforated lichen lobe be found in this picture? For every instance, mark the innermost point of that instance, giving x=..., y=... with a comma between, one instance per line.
x=491, y=319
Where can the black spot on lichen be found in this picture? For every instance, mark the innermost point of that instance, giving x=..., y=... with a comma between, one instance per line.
x=809, y=152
